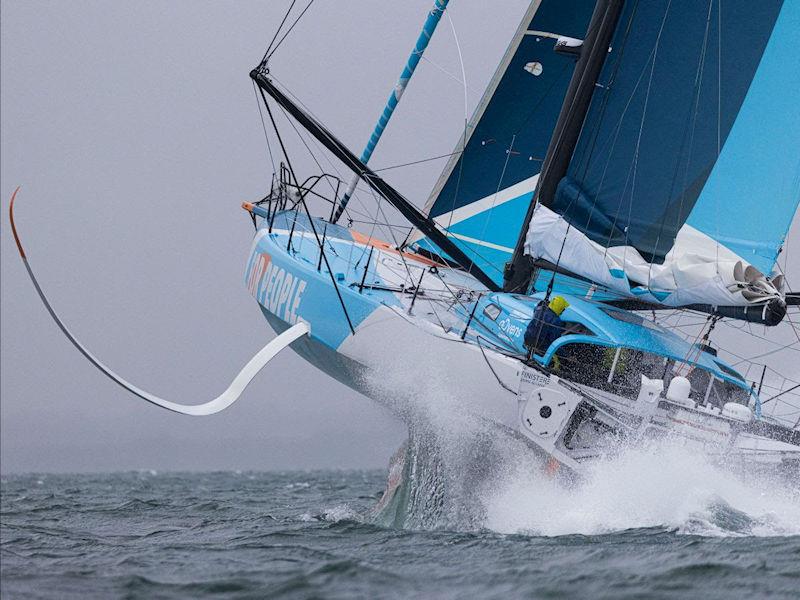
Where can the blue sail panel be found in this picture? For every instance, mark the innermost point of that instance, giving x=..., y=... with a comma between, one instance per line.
x=670, y=93
x=686, y=169
x=489, y=236
x=753, y=191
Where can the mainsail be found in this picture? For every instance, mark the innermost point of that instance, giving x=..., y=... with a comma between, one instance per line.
x=486, y=187
x=686, y=175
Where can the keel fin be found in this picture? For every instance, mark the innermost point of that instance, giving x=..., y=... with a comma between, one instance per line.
x=221, y=402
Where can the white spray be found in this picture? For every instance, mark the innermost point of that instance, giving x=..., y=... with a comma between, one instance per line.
x=662, y=485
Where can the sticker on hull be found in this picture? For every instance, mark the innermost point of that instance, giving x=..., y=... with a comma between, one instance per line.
x=277, y=290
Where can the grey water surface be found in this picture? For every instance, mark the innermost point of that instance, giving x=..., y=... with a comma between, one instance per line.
x=310, y=534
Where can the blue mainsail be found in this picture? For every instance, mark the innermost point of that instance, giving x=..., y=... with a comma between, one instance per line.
x=687, y=162
x=753, y=191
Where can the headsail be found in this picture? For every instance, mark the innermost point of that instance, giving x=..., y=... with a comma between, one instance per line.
x=484, y=192
x=686, y=171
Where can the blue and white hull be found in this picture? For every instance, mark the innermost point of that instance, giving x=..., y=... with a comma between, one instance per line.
x=406, y=332
x=391, y=341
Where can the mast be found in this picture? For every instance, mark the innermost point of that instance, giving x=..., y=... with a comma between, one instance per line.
x=395, y=198
x=394, y=98
x=593, y=53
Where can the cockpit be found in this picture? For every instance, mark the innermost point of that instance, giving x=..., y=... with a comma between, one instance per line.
x=611, y=349
x=619, y=370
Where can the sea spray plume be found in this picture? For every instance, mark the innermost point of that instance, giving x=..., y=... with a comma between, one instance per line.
x=460, y=471
x=430, y=479
x=659, y=486
x=453, y=456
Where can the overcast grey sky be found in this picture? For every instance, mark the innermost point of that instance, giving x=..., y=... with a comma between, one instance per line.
x=134, y=132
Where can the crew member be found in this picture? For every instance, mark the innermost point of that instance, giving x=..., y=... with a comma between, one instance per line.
x=546, y=325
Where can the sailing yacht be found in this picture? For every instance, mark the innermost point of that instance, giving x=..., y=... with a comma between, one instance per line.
x=629, y=157
x=637, y=159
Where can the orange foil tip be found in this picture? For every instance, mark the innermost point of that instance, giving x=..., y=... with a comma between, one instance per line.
x=13, y=225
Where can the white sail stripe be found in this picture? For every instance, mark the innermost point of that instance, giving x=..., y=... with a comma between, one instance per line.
x=544, y=34
x=492, y=201
x=472, y=240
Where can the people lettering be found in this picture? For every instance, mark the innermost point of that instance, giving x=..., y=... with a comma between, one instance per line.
x=275, y=289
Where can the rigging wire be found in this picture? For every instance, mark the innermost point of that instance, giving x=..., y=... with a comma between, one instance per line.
x=463, y=72
x=491, y=368
x=385, y=227
x=451, y=75
x=264, y=127
x=392, y=225
x=365, y=212
x=305, y=206
x=641, y=128
x=509, y=152
x=465, y=134
x=789, y=346
x=593, y=144
x=277, y=31
x=694, y=347
x=416, y=162
x=607, y=87
x=532, y=111
x=311, y=113
x=691, y=118
x=308, y=214
x=296, y=21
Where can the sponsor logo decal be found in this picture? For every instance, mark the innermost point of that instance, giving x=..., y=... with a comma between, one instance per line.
x=532, y=378
x=275, y=289
x=509, y=327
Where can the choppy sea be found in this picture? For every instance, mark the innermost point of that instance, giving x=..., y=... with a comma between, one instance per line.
x=312, y=535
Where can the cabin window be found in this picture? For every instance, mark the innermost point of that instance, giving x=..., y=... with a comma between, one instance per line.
x=712, y=391
x=723, y=392
x=492, y=311
x=629, y=317
x=728, y=371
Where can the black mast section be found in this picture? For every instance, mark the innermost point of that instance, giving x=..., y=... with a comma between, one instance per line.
x=395, y=198
x=568, y=128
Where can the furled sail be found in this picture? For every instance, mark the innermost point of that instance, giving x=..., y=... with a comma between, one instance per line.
x=686, y=175
x=484, y=191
